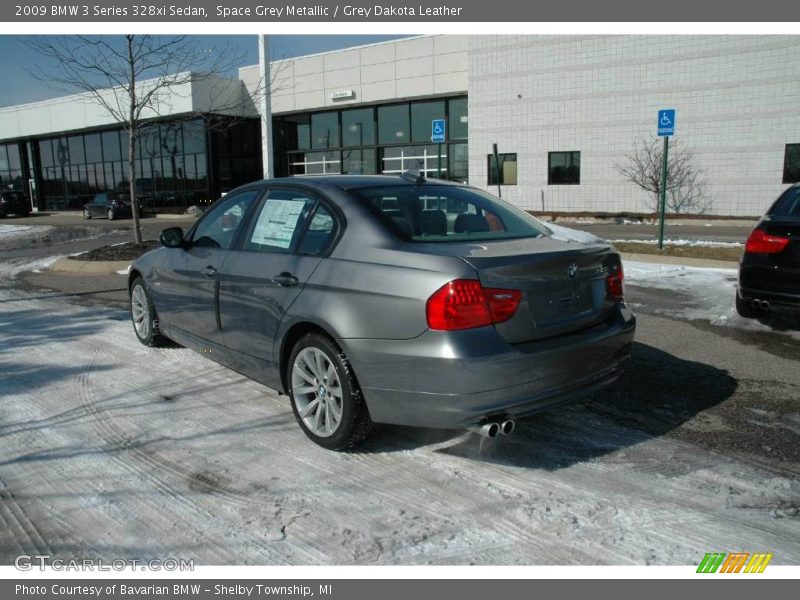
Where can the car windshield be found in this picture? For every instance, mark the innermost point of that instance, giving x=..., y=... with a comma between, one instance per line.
x=442, y=213
x=788, y=205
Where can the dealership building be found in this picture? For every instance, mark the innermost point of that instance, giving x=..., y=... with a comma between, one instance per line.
x=566, y=113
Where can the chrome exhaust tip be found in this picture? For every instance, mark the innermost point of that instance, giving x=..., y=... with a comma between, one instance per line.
x=508, y=427
x=487, y=430
x=760, y=304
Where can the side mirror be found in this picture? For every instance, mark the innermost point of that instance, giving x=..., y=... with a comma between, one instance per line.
x=172, y=237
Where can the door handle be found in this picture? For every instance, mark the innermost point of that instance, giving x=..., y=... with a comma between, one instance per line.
x=285, y=280
x=209, y=271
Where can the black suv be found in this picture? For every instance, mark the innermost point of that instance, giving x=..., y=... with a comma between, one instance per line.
x=769, y=274
x=14, y=203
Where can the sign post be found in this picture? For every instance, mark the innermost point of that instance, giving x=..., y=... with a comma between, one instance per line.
x=666, y=128
x=497, y=169
x=438, y=136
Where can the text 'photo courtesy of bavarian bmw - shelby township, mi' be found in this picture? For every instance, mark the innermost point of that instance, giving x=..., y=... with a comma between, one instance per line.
x=400, y=300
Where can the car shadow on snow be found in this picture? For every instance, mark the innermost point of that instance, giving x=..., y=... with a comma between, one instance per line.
x=657, y=393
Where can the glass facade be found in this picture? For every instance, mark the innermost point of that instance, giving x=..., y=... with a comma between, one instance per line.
x=174, y=166
x=12, y=176
x=390, y=138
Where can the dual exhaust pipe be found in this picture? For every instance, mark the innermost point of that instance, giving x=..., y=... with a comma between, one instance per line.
x=494, y=428
x=760, y=304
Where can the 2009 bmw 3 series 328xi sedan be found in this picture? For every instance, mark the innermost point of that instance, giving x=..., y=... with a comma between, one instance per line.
x=389, y=299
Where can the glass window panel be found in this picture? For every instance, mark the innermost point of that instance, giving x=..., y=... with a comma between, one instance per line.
x=422, y=114
x=325, y=130
x=358, y=162
x=194, y=137
x=111, y=145
x=319, y=234
x=358, y=128
x=171, y=139
x=564, y=168
x=506, y=166
x=791, y=164
x=14, y=157
x=393, y=124
x=458, y=163
x=46, y=153
x=218, y=228
x=149, y=143
x=3, y=158
x=94, y=148
x=61, y=151
x=458, y=123
x=76, y=153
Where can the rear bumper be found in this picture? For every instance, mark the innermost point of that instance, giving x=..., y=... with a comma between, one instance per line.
x=456, y=379
x=779, y=286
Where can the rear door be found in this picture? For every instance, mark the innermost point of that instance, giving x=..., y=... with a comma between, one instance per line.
x=187, y=284
x=288, y=235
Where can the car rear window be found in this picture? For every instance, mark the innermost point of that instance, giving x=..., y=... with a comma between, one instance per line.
x=788, y=205
x=442, y=213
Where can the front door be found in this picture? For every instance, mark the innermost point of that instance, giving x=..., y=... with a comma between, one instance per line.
x=186, y=285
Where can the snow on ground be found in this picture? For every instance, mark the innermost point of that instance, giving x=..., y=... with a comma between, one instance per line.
x=682, y=242
x=11, y=268
x=111, y=449
x=710, y=293
x=8, y=231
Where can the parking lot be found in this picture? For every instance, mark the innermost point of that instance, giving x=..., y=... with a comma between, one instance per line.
x=110, y=449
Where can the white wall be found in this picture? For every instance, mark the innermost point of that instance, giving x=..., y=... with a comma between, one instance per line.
x=388, y=71
x=737, y=98
x=81, y=111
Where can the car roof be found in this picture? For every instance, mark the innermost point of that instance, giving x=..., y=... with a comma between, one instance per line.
x=351, y=182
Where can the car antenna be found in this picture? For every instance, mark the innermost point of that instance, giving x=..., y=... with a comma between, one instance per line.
x=414, y=175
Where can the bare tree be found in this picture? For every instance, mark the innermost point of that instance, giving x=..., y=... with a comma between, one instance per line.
x=686, y=187
x=135, y=77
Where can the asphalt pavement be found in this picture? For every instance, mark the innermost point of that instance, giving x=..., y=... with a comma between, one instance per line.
x=695, y=449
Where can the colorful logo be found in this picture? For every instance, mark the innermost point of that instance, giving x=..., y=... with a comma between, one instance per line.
x=734, y=562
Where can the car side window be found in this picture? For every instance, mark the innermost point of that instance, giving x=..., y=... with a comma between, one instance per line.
x=320, y=232
x=279, y=223
x=219, y=226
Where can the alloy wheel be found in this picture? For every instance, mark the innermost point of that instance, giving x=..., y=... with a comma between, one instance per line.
x=140, y=310
x=317, y=391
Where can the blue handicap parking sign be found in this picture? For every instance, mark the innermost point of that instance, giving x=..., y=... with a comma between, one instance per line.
x=666, y=122
x=438, y=130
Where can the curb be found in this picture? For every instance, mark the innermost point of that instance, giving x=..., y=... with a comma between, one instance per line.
x=89, y=267
x=704, y=263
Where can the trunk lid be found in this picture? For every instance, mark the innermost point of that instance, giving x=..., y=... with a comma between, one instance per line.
x=563, y=282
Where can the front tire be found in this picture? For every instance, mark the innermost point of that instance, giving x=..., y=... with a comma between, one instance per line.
x=326, y=398
x=746, y=309
x=87, y=214
x=144, y=317
x=110, y=214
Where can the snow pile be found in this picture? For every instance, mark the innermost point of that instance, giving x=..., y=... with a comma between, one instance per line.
x=682, y=242
x=709, y=293
x=12, y=268
x=7, y=231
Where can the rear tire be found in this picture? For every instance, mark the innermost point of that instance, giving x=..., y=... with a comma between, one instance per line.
x=87, y=214
x=746, y=309
x=326, y=398
x=110, y=214
x=144, y=317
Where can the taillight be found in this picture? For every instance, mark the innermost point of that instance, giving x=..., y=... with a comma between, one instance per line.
x=615, y=283
x=761, y=242
x=465, y=303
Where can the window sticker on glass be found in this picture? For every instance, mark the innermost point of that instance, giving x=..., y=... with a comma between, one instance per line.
x=277, y=223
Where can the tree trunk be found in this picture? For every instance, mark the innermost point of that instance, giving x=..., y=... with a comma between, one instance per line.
x=132, y=137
